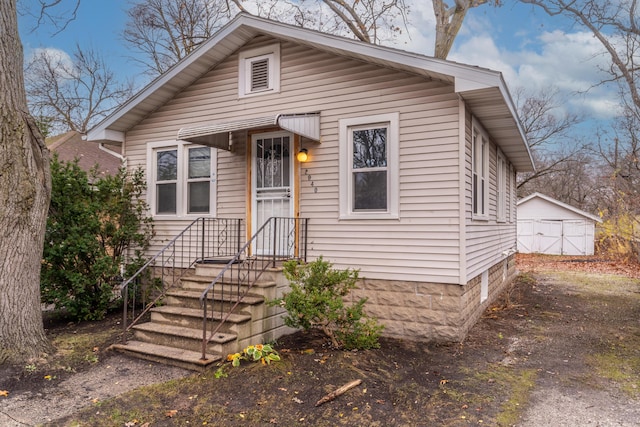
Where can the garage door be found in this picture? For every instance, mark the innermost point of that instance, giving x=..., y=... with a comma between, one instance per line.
x=577, y=238
x=540, y=237
x=555, y=237
x=548, y=237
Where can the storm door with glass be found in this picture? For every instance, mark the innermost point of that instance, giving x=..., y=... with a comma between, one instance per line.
x=272, y=189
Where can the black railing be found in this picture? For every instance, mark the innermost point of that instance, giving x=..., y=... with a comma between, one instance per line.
x=205, y=239
x=277, y=240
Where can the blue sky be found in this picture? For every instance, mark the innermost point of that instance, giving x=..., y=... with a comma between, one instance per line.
x=532, y=50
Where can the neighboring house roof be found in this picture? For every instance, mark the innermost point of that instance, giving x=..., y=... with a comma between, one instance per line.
x=70, y=146
x=483, y=90
x=559, y=204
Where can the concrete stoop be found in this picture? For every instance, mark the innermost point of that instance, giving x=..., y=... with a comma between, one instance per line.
x=173, y=335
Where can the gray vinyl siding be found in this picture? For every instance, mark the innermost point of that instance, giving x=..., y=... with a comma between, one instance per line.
x=487, y=240
x=423, y=244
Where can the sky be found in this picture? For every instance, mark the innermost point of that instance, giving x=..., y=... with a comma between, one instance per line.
x=532, y=50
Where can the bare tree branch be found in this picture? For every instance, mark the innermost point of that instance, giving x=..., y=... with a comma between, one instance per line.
x=73, y=93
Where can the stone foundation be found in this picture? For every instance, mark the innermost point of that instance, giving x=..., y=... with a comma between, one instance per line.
x=432, y=311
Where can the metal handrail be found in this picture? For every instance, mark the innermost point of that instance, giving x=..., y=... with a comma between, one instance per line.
x=204, y=238
x=278, y=239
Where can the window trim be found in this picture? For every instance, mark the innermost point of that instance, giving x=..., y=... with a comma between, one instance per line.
x=182, y=181
x=501, y=187
x=479, y=132
x=246, y=58
x=391, y=121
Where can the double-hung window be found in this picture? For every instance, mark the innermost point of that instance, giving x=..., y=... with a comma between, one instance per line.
x=369, y=167
x=259, y=71
x=180, y=179
x=480, y=172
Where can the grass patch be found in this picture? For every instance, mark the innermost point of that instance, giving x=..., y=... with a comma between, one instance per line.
x=515, y=385
x=75, y=349
x=621, y=364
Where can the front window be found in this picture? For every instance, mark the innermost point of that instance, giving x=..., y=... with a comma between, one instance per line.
x=166, y=181
x=199, y=180
x=181, y=183
x=369, y=167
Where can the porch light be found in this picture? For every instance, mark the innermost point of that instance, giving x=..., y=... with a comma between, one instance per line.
x=303, y=155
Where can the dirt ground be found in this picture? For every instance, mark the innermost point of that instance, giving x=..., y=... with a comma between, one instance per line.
x=561, y=348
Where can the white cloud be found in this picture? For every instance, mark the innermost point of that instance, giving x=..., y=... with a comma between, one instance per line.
x=567, y=61
x=60, y=60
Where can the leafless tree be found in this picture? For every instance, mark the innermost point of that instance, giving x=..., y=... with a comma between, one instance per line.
x=548, y=131
x=25, y=190
x=72, y=93
x=165, y=31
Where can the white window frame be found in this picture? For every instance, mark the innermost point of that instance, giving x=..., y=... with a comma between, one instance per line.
x=479, y=172
x=247, y=58
x=346, y=127
x=501, y=187
x=182, y=202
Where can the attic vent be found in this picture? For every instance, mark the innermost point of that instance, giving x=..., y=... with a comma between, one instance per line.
x=260, y=75
x=259, y=71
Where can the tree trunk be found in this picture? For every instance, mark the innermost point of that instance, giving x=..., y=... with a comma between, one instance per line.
x=25, y=189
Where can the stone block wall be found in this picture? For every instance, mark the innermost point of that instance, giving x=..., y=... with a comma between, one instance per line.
x=432, y=311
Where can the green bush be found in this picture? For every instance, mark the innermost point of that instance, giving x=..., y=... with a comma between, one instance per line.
x=316, y=300
x=90, y=228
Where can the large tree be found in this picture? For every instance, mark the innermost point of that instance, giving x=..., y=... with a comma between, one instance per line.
x=25, y=188
x=72, y=93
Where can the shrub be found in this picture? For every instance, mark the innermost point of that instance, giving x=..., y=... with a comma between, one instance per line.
x=316, y=300
x=90, y=228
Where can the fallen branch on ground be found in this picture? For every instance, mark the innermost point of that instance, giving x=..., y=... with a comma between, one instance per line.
x=329, y=397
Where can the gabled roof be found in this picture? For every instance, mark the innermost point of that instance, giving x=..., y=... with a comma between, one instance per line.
x=560, y=204
x=70, y=146
x=484, y=91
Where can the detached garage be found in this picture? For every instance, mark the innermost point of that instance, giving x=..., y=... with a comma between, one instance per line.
x=548, y=226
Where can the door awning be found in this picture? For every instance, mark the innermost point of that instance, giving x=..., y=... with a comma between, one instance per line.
x=217, y=134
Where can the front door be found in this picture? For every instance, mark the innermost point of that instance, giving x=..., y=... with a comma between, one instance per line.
x=272, y=180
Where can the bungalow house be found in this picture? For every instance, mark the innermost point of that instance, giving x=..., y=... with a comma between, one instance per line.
x=397, y=164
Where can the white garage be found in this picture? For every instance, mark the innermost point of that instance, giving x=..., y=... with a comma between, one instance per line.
x=548, y=226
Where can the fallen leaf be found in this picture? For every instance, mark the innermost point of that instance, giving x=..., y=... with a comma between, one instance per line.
x=4, y=393
x=171, y=413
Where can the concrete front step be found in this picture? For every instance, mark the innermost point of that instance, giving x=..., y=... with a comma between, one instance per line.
x=184, y=338
x=168, y=355
x=204, y=269
x=236, y=323
x=191, y=299
x=196, y=282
